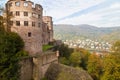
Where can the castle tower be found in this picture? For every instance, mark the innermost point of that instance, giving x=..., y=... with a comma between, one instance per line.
x=27, y=22
x=48, y=21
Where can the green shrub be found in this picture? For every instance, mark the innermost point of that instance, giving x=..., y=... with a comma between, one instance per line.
x=46, y=47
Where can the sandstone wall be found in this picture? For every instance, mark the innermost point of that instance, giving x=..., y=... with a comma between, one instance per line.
x=48, y=21
x=31, y=33
x=26, y=69
x=35, y=67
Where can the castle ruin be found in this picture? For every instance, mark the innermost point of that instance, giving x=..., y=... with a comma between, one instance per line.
x=28, y=21
x=36, y=30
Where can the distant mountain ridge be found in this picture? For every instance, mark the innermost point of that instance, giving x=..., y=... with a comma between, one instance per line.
x=64, y=31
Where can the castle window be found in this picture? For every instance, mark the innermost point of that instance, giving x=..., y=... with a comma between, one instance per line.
x=25, y=23
x=33, y=24
x=25, y=4
x=10, y=4
x=25, y=13
x=33, y=14
x=39, y=8
x=17, y=23
x=17, y=3
x=11, y=13
x=17, y=13
x=29, y=34
x=11, y=23
x=38, y=16
x=33, y=6
x=38, y=24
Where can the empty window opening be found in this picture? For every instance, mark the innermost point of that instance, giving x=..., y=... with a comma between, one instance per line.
x=17, y=23
x=25, y=23
x=29, y=34
x=38, y=24
x=11, y=23
x=10, y=4
x=25, y=4
x=11, y=13
x=33, y=14
x=17, y=3
x=39, y=16
x=33, y=24
x=17, y=13
x=25, y=13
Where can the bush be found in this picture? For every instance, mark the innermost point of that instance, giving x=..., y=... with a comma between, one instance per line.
x=46, y=47
x=10, y=50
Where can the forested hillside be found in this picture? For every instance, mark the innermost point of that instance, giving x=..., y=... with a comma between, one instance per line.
x=86, y=31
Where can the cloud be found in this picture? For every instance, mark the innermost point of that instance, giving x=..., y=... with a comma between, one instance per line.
x=62, y=8
x=115, y=5
x=105, y=15
x=102, y=13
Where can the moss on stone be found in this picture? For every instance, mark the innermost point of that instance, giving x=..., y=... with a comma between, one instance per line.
x=62, y=72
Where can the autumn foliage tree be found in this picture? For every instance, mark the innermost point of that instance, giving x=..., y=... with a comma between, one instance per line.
x=75, y=59
x=95, y=66
x=112, y=63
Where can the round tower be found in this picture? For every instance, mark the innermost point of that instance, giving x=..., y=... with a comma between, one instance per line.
x=26, y=20
x=48, y=21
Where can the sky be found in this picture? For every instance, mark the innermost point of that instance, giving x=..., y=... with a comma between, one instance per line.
x=100, y=13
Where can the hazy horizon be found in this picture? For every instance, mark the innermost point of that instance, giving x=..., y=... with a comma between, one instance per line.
x=89, y=25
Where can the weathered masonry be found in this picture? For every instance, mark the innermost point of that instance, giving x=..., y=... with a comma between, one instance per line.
x=26, y=18
x=28, y=21
x=36, y=66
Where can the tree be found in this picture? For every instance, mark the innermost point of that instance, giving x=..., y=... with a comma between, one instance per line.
x=64, y=61
x=65, y=51
x=84, y=57
x=112, y=63
x=94, y=66
x=1, y=25
x=116, y=47
x=75, y=59
x=11, y=46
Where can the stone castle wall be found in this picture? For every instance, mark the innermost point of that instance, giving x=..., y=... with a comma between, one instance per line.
x=48, y=20
x=28, y=22
x=35, y=30
x=36, y=67
x=30, y=32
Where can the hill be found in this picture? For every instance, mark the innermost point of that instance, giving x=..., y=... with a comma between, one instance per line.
x=63, y=32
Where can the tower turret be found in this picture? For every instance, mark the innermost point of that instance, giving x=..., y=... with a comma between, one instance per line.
x=26, y=20
x=48, y=21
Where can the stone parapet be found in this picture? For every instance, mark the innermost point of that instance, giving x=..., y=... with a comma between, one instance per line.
x=36, y=66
